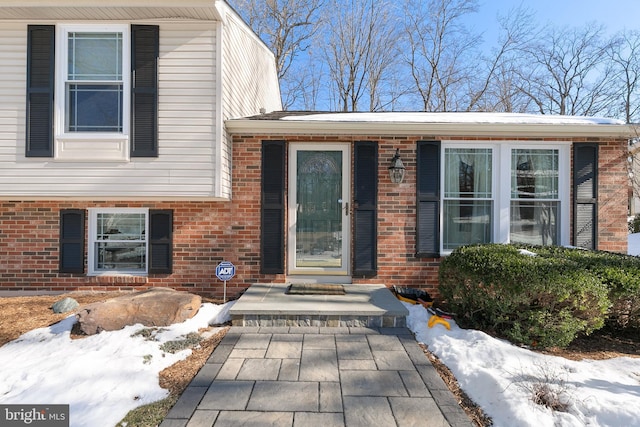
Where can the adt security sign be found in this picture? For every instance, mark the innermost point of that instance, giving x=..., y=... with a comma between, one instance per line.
x=225, y=270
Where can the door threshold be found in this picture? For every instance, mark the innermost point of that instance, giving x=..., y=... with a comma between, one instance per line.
x=304, y=279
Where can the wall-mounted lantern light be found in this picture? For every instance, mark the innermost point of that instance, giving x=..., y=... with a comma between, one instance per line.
x=397, y=169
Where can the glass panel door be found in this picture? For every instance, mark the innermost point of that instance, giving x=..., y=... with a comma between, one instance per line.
x=319, y=210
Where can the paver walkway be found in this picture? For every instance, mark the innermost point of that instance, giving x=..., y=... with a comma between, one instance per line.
x=314, y=376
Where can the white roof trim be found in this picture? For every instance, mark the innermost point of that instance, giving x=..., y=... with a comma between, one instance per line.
x=436, y=124
x=52, y=10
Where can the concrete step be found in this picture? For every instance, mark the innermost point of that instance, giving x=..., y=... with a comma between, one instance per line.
x=362, y=305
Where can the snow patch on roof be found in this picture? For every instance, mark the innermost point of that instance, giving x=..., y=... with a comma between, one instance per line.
x=478, y=118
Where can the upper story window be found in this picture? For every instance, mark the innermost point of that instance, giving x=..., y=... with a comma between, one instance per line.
x=92, y=87
x=92, y=91
x=94, y=82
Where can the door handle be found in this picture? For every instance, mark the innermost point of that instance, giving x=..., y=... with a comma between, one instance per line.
x=345, y=205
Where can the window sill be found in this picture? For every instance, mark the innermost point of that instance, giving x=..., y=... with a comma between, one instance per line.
x=119, y=280
x=92, y=148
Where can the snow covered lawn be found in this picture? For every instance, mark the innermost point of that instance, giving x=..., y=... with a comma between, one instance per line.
x=102, y=377
x=502, y=379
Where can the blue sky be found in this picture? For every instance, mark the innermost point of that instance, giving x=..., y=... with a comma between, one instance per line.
x=614, y=14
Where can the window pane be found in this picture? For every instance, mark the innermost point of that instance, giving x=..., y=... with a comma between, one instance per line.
x=95, y=56
x=120, y=243
x=467, y=172
x=121, y=256
x=121, y=226
x=466, y=222
x=94, y=108
x=534, y=174
x=534, y=223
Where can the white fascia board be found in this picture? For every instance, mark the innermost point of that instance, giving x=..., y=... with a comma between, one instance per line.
x=526, y=130
x=111, y=3
x=56, y=10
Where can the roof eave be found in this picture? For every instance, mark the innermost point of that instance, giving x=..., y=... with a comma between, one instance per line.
x=529, y=130
x=53, y=10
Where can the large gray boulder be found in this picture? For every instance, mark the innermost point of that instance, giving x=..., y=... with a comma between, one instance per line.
x=152, y=307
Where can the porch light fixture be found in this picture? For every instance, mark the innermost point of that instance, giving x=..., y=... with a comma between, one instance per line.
x=397, y=169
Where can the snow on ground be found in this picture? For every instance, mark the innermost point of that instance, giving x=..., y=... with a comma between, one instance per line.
x=634, y=244
x=104, y=376
x=501, y=379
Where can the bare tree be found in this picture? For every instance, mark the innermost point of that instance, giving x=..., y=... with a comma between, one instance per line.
x=568, y=72
x=287, y=27
x=625, y=56
x=304, y=84
x=439, y=49
x=495, y=86
x=359, y=49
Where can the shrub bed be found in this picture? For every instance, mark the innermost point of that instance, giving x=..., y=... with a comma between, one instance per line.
x=619, y=273
x=543, y=300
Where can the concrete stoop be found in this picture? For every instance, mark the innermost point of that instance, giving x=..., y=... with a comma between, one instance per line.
x=362, y=305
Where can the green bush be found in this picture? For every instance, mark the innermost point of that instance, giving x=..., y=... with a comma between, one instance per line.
x=533, y=300
x=619, y=273
x=634, y=224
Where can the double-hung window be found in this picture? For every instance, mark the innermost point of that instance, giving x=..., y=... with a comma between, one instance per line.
x=506, y=192
x=468, y=196
x=535, y=196
x=118, y=241
x=92, y=91
x=93, y=84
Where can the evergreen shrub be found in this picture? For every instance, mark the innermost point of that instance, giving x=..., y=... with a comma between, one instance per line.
x=534, y=300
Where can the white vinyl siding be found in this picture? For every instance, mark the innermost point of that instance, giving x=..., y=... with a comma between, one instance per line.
x=248, y=67
x=13, y=59
x=185, y=167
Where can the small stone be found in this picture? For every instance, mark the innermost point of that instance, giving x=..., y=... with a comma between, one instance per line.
x=64, y=305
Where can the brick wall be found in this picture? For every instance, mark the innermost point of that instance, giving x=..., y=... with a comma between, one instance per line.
x=613, y=196
x=29, y=233
x=397, y=203
x=206, y=233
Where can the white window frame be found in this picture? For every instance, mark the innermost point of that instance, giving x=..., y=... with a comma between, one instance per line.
x=494, y=187
x=501, y=185
x=92, y=240
x=91, y=146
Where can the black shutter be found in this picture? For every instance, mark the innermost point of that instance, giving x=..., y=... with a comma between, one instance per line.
x=428, y=199
x=160, y=241
x=272, y=208
x=585, y=195
x=40, y=89
x=145, y=50
x=71, y=241
x=365, y=203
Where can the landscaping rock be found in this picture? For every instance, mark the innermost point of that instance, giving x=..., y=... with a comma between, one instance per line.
x=64, y=305
x=153, y=307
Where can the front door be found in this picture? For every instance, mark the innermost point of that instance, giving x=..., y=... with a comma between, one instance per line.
x=318, y=238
